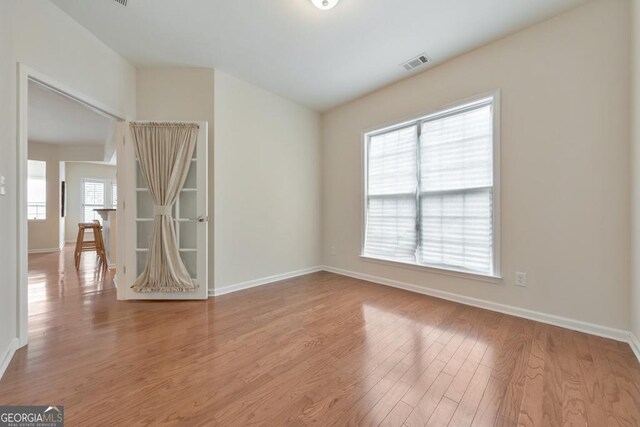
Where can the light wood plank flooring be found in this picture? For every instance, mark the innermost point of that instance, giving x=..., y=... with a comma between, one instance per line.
x=316, y=350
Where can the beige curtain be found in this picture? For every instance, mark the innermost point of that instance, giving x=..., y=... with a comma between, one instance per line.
x=164, y=151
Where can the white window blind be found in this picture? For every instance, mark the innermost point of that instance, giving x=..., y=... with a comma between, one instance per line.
x=114, y=194
x=93, y=194
x=430, y=192
x=391, y=206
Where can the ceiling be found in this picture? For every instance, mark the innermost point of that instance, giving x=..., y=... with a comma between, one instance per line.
x=317, y=58
x=56, y=119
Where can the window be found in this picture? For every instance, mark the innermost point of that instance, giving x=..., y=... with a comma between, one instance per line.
x=114, y=194
x=430, y=192
x=93, y=197
x=36, y=190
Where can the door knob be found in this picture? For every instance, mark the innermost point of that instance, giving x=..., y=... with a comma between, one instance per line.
x=199, y=219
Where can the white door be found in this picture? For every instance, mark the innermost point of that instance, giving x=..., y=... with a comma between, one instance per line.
x=136, y=213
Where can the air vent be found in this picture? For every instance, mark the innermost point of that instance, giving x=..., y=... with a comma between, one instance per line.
x=122, y=2
x=416, y=62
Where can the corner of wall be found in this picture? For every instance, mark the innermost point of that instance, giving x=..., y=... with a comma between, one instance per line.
x=635, y=170
x=7, y=355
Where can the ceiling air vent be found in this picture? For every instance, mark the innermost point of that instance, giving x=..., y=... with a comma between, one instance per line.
x=122, y=2
x=416, y=62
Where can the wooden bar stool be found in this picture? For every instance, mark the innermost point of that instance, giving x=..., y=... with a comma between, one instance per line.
x=97, y=244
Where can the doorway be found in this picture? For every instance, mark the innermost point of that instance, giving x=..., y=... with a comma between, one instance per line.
x=44, y=189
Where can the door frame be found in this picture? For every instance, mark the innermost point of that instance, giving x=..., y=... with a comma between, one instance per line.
x=26, y=74
x=127, y=226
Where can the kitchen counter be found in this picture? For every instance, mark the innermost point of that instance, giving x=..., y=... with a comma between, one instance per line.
x=109, y=231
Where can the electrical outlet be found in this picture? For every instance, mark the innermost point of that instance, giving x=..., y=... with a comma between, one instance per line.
x=333, y=250
x=3, y=186
x=521, y=279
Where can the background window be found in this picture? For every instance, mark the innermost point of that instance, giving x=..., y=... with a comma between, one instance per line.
x=93, y=197
x=430, y=191
x=36, y=190
x=114, y=194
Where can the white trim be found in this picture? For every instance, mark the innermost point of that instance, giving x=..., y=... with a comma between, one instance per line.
x=8, y=355
x=563, y=322
x=635, y=345
x=434, y=269
x=44, y=251
x=263, y=281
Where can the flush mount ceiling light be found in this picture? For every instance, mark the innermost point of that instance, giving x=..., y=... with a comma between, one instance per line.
x=324, y=4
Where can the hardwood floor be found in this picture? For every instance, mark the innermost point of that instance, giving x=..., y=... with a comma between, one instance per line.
x=320, y=350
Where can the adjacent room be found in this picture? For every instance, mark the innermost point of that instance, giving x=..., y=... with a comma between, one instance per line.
x=71, y=197
x=320, y=212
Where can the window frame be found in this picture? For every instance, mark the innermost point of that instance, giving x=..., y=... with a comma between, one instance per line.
x=415, y=120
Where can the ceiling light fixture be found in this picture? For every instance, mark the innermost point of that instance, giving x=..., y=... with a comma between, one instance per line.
x=324, y=4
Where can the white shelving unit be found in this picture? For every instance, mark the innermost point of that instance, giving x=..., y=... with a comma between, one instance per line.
x=184, y=212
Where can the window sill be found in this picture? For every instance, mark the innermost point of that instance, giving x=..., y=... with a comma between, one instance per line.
x=435, y=270
x=37, y=220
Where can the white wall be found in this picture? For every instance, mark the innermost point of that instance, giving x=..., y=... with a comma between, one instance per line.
x=75, y=173
x=181, y=94
x=45, y=235
x=40, y=35
x=8, y=288
x=266, y=155
x=635, y=148
x=267, y=184
x=565, y=169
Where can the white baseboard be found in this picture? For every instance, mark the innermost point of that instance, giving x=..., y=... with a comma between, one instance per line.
x=263, y=281
x=43, y=251
x=563, y=322
x=8, y=355
x=635, y=345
